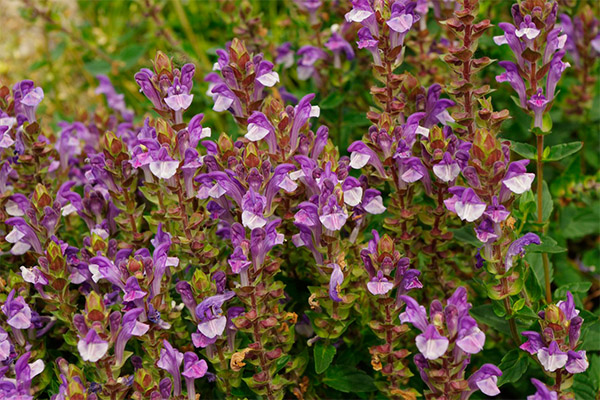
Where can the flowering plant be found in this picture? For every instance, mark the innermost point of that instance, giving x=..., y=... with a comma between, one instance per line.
x=270, y=224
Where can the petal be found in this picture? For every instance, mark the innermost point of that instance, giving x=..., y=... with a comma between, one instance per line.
x=269, y=79
x=489, y=386
x=256, y=132
x=519, y=184
x=164, y=169
x=334, y=221
x=357, y=15
x=432, y=348
x=359, y=160
x=213, y=327
x=222, y=103
x=353, y=196
x=251, y=220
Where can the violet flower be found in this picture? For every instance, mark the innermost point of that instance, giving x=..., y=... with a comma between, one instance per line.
x=338, y=45
x=92, y=348
x=517, y=248
x=538, y=104
x=211, y=320
x=193, y=368
x=486, y=380
x=285, y=55
x=552, y=358
x=542, y=392
x=431, y=344
x=512, y=76
x=309, y=55
x=335, y=282
x=170, y=360
x=130, y=327
x=17, y=311
x=366, y=41
x=465, y=203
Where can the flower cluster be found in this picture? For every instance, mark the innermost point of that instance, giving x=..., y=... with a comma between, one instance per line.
x=556, y=346
x=449, y=336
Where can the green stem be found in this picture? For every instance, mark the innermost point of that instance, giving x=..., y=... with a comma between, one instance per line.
x=540, y=220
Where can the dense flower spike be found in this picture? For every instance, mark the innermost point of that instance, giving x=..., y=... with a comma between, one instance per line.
x=448, y=338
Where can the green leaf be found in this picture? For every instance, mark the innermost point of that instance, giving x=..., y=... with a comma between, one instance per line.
x=548, y=245
x=323, y=354
x=560, y=151
x=527, y=202
x=130, y=54
x=466, y=234
x=332, y=101
x=485, y=314
x=348, y=380
x=574, y=287
x=513, y=366
x=547, y=204
x=97, y=67
x=524, y=150
x=536, y=265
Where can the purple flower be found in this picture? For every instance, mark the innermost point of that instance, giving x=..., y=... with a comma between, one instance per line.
x=259, y=127
x=470, y=338
x=211, y=320
x=446, y=170
x=373, y=202
x=465, y=203
x=542, y=392
x=170, y=360
x=265, y=76
x=511, y=39
x=486, y=380
x=512, y=76
x=366, y=41
x=534, y=342
x=436, y=108
x=486, y=231
x=363, y=13
x=496, y=212
x=552, y=358
x=414, y=313
x=132, y=290
x=309, y=55
x=302, y=113
x=517, y=248
x=163, y=166
x=144, y=81
x=401, y=20
x=527, y=30
x=361, y=155
x=285, y=55
x=568, y=307
x=238, y=260
x=92, y=348
x=538, y=104
x=379, y=284
x=516, y=179
x=193, y=368
x=557, y=67
x=335, y=281
x=115, y=100
x=577, y=362
x=17, y=311
x=30, y=102
x=333, y=216
x=130, y=327
x=22, y=236
x=337, y=44
x=431, y=344
x=253, y=206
